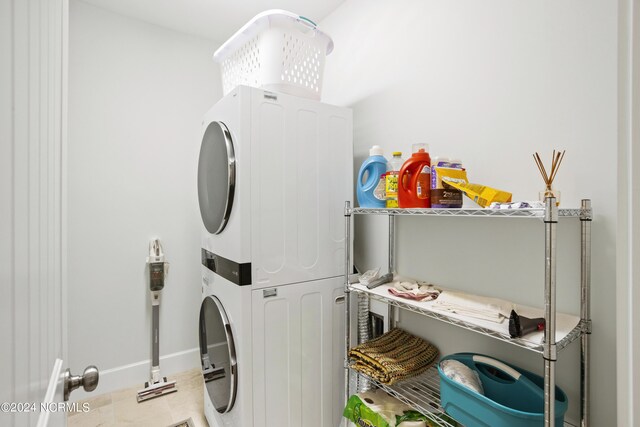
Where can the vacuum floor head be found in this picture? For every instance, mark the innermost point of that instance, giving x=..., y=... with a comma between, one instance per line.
x=211, y=374
x=156, y=390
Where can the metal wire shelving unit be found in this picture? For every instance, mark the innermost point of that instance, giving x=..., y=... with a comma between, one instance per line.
x=500, y=213
x=409, y=305
x=422, y=392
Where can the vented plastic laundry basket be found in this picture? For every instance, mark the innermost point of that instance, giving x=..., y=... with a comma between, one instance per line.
x=512, y=396
x=277, y=50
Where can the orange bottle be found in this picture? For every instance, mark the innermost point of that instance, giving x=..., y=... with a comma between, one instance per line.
x=414, y=179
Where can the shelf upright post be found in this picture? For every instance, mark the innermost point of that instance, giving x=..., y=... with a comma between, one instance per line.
x=585, y=308
x=392, y=265
x=549, y=353
x=347, y=296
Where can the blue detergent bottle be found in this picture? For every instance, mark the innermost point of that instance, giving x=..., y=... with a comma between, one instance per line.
x=370, y=191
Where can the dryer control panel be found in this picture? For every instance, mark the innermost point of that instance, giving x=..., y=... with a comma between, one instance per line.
x=237, y=273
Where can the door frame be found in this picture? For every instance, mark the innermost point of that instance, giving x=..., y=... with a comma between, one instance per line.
x=628, y=230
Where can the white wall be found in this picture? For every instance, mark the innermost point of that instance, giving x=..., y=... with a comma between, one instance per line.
x=493, y=82
x=137, y=96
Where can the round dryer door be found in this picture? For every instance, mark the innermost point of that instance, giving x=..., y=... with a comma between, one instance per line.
x=216, y=177
x=218, y=355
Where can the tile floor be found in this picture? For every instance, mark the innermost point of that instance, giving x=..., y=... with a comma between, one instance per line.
x=121, y=408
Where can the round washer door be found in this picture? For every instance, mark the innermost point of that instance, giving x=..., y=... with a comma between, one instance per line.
x=216, y=177
x=218, y=355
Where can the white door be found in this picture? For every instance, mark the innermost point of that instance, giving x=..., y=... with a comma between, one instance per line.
x=218, y=357
x=51, y=413
x=33, y=39
x=298, y=354
x=301, y=175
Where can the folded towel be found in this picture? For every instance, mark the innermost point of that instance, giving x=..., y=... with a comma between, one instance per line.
x=394, y=356
x=492, y=309
x=414, y=291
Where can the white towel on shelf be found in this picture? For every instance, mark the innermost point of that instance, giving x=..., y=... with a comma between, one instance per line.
x=492, y=309
x=565, y=323
x=413, y=290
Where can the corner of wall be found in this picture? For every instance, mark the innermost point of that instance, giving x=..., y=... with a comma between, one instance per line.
x=628, y=100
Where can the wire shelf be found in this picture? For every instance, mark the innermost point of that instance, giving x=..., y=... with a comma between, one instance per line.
x=513, y=213
x=573, y=335
x=422, y=393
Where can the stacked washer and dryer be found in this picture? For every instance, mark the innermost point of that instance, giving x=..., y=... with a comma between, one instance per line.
x=274, y=173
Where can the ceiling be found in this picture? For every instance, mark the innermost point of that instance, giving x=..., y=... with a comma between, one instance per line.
x=213, y=19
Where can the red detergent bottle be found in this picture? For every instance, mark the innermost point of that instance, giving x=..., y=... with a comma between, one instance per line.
x=414, y=179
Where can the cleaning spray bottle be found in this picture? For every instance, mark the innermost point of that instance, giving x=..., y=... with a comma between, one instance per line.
x=414, y=179
x=370, y=191
x=391, y=179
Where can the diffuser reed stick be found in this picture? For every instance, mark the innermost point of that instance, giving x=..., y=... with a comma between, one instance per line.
x=556, y=160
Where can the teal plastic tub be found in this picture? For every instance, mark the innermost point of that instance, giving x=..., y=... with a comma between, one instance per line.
x=513, y=397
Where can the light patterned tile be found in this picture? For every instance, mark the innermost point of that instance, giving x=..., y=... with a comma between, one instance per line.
x=126, y=393
x=185, y=395
x=193, y=383
x=94, y=403
x=129, y=410
x=186, y=375
x=186, y=410
x=99, y=417
x=160, y=418
x=199, y=420
x=120, y=408
x=198, y=380
x=188, y=382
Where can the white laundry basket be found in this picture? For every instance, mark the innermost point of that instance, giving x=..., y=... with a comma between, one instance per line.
x=277, y=50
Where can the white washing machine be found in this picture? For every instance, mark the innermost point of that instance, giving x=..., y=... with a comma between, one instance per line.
x=274, y=173
x=225, y=351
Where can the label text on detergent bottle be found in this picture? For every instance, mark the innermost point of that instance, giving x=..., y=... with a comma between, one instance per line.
x=392, y=189
x=380, y=191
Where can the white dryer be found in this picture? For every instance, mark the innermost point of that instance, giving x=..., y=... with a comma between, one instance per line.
x=273, y=175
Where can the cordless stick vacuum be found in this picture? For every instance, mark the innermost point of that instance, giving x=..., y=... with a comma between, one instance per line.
x=158, y=268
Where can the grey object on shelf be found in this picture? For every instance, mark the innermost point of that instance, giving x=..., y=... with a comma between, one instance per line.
x=380, y=281
x=423, y=392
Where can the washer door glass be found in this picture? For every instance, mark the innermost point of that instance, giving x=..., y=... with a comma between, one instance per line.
x=218, y=355
x=216, y=177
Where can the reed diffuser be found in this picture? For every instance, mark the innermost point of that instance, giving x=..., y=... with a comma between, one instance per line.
x=548, y=178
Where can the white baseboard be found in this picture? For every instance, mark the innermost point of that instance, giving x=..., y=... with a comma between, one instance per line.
x=135, y=374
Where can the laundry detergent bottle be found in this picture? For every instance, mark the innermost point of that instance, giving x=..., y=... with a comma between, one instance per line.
x=414, y=179
x=370, y=185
